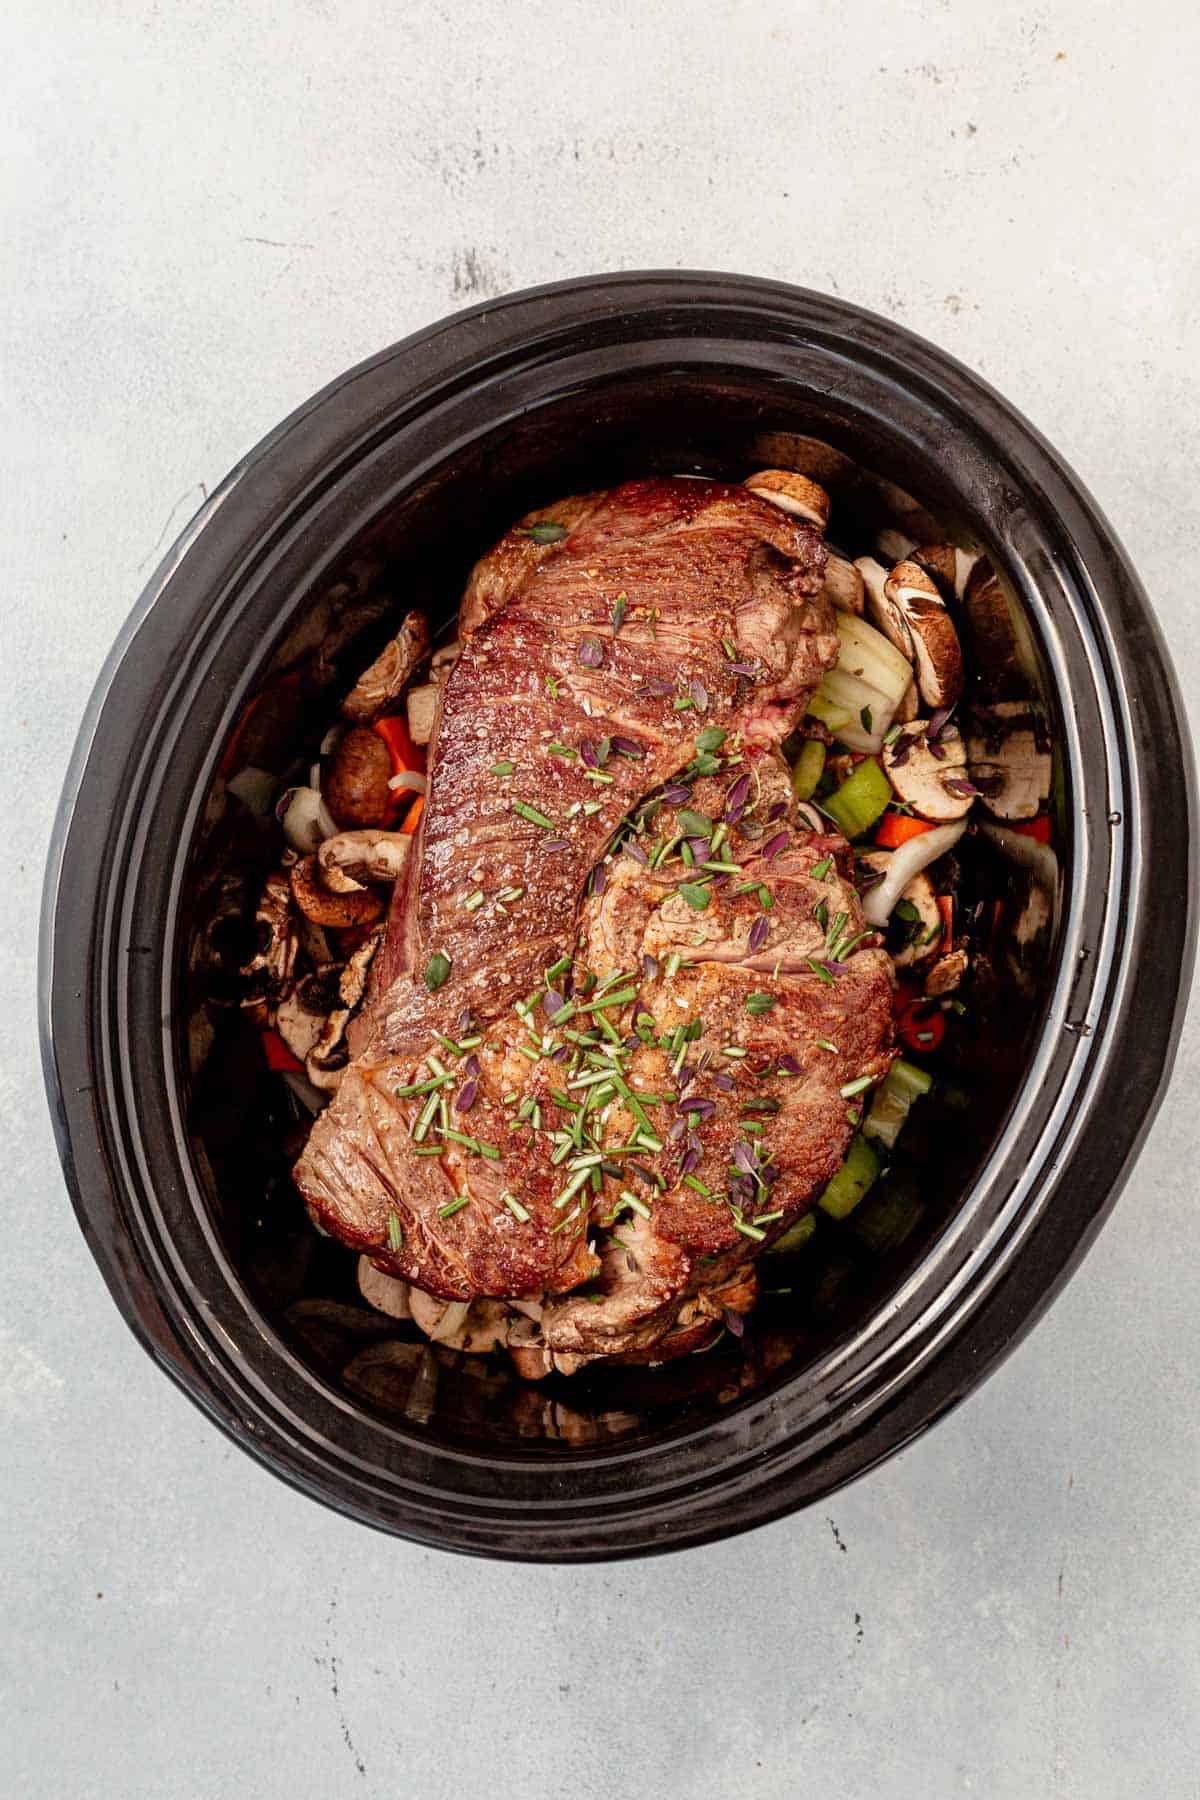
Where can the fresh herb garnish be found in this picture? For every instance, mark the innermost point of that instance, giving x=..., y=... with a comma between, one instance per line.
x=502, y=768
x=546, y=532
x=395, y=1232
x=759, y=1003
x=711, y=738
x=436, y=971
x=696, y=896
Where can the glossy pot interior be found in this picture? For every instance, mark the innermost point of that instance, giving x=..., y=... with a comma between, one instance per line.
x=177, y=1141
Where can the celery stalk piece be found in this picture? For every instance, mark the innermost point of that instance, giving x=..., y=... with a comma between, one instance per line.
x=808, y=768
x=851, y=1181
x=862, y=798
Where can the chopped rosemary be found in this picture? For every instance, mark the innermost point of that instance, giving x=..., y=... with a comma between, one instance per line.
x=395, y=1232
x=519, y=1212
x=452, y=1206
x=820, y=870
x=474, y=901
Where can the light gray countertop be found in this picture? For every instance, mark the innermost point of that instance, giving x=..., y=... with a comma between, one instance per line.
x=209, y=210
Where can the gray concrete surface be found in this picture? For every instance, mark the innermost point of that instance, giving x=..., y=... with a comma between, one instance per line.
x=209, y=210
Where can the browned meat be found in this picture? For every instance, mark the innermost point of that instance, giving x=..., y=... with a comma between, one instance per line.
x=670, y=612
x=760, y=1124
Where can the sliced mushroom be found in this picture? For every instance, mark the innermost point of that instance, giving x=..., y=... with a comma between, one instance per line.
x=445, y=658
x=881, y=608
x=386, y=1293
x=808, y=456
x=924, y=932
x=1011, y=770
x=920, y=894
x=793, y=493
x=950, y=567
x=352, y=858
x=930, y=777
x=326, y=1061
x=356, y=786
x=423, y=705
x=946, y=974
x=912, y=593
x=270, y=970
x=298, y=1025
x=905, y=512
x=361, y=907
x=390, y=673
x=844, y=585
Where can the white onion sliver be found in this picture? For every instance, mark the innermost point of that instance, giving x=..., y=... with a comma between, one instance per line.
x=913, y=856
x=411, y=780
x=306, y=821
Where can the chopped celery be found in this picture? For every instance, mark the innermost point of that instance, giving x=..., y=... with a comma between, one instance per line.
x=889, y=1109
x=851, y=1181
x=862, y=798
x=795, y=1237
x=889, y=1216
x=808, y=768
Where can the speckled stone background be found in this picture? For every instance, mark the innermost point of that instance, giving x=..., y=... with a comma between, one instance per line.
x=208, y=211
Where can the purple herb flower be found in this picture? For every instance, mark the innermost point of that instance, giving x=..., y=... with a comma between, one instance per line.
x=758, y=931
x=775, y=844
x=466, y=1096
x=590, y=652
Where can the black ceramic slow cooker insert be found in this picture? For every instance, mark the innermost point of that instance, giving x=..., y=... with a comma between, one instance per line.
x=175, y=1141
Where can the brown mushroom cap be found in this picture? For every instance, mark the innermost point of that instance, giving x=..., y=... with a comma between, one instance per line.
x=356, y=787
x=911, y=592
x=794, y=493
x=316, y=902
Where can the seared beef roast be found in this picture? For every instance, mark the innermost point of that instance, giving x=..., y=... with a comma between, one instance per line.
x=621, y=993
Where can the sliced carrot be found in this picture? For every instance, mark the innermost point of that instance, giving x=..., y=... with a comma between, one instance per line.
x=1037, y=829
x=946, y=908
x=896, y=829
x=412, y=817
x=278, y=1055
x=404, y=753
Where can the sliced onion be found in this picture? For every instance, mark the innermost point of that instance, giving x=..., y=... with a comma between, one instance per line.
x=410, y=780
x=306, y=819
x=907, y=861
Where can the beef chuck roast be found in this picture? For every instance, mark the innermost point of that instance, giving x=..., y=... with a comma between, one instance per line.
x=665, y=632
